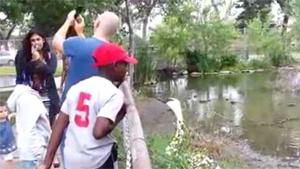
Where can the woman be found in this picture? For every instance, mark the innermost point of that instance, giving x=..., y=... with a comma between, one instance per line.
x=36, y=49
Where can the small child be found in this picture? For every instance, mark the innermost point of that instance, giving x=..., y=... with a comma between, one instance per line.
x=7, y=139
x=33, y=127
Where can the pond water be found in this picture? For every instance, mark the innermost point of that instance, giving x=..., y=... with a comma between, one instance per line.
x=256, y=104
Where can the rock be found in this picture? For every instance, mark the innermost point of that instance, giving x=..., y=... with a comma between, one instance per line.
x=196, y=74
x=174, y=74
x=185, y=72
x=225, y=72
x=245, y=71
x=225, y=130
x=291, y=105
x=149, y=83
x=203, y=101
x=233, y=102
x=260, y=70
x=248, y=71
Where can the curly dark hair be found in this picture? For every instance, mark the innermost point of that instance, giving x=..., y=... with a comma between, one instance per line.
x=26, y=44
x=37, y=68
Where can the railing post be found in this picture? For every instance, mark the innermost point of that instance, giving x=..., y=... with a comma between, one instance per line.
x=140, y=156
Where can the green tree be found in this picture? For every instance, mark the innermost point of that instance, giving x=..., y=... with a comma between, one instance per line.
x=13, y=13
x=269, y=42
x=191, y=29
x=49, y=15
x=252, y=9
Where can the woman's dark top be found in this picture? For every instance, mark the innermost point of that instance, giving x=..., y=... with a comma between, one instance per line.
x=50, y=87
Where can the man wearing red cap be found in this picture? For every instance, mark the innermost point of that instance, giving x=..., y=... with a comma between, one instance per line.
x=93, y=107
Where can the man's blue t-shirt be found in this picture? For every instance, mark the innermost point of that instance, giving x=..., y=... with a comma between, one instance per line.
x=79, y=52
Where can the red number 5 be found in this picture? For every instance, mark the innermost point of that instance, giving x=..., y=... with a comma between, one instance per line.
x=82, y=121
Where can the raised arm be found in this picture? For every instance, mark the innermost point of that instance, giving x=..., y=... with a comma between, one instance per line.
x=60, y=35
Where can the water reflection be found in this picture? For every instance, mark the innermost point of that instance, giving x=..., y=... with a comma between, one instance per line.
x=254, y=102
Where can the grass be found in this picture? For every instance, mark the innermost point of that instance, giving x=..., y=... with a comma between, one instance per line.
x=157, y=145
x=7, y=70
x=233, y=164
x=10, y=71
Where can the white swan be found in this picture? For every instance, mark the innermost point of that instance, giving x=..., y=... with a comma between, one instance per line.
x=196, y=159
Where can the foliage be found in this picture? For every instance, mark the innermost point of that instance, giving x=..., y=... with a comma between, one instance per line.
x=252, y=9
x=269, y=42
x=296, y=24
x=260, y=9
x=14, y=13
x=157, y=145
x=202, y=62
x=188, y=31
x=213, y=37
x=259, y=64
x=170, y=40
x=229, y=60
x=145, y=70
x=49, y=15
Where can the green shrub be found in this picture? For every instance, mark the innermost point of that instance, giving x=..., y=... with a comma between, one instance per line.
x=269, y=42
x=259, y=64
x=201, y=62
x=145, y=70
x=279, y=59
x=229, y=60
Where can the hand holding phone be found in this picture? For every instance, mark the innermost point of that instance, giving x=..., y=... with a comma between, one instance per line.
x=77, y=27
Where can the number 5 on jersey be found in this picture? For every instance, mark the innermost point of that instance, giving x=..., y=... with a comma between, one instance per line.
x=82, y=120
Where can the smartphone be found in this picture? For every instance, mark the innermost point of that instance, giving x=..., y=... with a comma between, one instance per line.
x=78, y=10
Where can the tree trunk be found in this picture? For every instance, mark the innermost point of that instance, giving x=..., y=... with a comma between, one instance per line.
x=285, y=23
x=8, y=36
x=145, y=25
x=10, y=31
x=131, y=38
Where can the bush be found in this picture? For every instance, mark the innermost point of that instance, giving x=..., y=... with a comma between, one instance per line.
x=269, y=41
x=259, y=64
x=145, y=70
x=278, y=59
x=229, y=61
x=201, y=62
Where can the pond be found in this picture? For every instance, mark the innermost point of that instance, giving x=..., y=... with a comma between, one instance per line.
x=256, y=104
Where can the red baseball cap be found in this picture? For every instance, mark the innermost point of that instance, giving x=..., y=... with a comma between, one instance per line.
x=109, y=53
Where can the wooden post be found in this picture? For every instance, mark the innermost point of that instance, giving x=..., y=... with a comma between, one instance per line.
x=138, y=148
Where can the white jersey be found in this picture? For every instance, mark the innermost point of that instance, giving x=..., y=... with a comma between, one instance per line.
x=85, y=101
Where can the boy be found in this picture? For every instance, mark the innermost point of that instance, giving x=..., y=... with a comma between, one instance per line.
x=7, y=138
x=93, y=107
x=32, y=124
